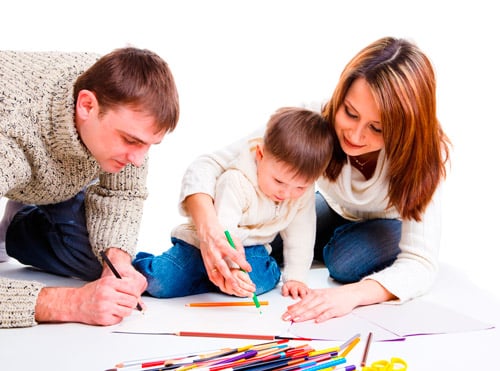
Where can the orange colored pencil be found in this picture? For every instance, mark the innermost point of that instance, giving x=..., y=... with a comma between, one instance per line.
x=225, y=304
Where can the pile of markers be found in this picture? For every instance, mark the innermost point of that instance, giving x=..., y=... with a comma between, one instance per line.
x=275, y=355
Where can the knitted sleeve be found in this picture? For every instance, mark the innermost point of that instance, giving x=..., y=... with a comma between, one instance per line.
x=17, y=302
x=114, y=209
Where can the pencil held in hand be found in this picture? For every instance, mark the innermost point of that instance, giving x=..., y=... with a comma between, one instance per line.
x=230, y=240
x=115, y=272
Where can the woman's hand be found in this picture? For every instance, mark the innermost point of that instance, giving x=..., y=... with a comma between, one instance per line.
x=323, y=304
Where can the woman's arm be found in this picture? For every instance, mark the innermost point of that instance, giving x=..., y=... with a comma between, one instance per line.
x=411, y=275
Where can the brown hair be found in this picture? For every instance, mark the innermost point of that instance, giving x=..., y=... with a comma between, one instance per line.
x=137, y=78
x=301, y=139
x=402, y=81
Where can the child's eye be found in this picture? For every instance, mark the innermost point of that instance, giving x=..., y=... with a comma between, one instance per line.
x=129, y=141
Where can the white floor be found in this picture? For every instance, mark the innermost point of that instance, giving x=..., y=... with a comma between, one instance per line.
x=80, y=347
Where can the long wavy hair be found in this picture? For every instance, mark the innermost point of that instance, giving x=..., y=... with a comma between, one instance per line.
x=403, y=84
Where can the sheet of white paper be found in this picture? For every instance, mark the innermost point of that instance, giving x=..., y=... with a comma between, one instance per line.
x=341, y=328
x=419, y=317
x=392, y=322
x=173, y=316
x=387, y=322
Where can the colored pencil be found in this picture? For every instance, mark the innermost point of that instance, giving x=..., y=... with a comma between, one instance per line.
x=225, y=304
x=254, y=297
x=347, y=342
x=117, y=275
x=367, y=349
x=226, y=335
x=349, y=347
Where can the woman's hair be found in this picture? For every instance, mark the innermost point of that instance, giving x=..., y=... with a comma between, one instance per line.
x=301, y=139
x=137, y=78
x=403, y=84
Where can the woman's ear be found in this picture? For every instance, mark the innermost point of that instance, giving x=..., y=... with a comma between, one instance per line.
x=86, y=105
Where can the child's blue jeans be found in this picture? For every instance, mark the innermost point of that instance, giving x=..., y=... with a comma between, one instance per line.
x=180, y=271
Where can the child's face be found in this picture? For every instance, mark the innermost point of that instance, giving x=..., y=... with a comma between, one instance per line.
x=277, y=180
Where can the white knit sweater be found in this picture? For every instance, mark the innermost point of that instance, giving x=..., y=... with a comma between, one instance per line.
x=42, y=160
x=244, y=210
x=355, y=198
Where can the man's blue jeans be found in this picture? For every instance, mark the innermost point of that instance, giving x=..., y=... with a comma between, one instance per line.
x=351, y=250
x=54, y=238
x=180, y=271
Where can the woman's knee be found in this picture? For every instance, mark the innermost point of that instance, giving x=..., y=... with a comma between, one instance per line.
x=359, y=249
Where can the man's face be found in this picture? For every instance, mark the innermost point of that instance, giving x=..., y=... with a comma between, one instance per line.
x=119, y=137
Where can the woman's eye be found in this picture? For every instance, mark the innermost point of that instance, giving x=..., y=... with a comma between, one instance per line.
x=376, y=129
x=349, y=113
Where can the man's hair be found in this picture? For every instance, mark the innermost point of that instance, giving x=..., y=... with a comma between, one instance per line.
x=300, y=138
x=137, y=78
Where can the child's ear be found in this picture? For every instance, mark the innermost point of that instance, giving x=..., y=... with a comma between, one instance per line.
x=259, y=152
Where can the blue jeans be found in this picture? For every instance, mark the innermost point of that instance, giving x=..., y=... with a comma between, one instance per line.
x=351, y=250
x=180, y=271
x=54, y=238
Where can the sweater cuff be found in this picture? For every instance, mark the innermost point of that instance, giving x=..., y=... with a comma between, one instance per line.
x=17, y=302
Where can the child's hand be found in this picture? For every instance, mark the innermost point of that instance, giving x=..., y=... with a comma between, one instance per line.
x=295, y=289
x=245, y=284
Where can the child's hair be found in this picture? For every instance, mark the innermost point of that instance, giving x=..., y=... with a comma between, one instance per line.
x=301, y=139
x=137, y=78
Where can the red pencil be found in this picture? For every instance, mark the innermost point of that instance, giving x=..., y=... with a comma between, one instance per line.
x=225, y=335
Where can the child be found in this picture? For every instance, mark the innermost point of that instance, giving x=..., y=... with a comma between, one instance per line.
x=268, y=189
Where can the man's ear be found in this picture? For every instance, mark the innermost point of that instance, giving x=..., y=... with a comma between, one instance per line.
x=86, y=105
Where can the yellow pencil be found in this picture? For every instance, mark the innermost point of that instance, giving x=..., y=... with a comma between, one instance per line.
x=349, y=347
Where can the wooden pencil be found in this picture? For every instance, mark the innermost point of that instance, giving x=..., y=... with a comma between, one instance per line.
x=367, y=349
x=225, y=304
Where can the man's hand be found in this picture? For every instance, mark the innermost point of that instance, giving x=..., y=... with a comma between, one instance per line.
x=105, y=301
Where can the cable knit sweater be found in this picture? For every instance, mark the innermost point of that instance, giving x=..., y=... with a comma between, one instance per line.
x=244, y=210
x=355, y=198
x=42, y=160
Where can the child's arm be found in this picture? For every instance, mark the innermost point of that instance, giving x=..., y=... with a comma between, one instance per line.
x=231, y=199
x=298, y=240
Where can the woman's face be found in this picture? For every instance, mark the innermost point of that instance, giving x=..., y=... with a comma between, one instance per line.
x=357, y=121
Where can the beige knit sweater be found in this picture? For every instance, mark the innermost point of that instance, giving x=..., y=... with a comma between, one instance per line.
x=42, y=160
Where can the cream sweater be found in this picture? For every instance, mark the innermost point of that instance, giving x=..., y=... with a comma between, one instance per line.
x=255, y=219
x=42, y=160
x=355, y=198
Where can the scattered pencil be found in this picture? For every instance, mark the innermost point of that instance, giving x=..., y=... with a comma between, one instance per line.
x=346, y=351
x=225, y=304
x=367, y=349
x=272, y=355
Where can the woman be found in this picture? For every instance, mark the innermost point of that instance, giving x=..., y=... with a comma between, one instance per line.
x=378, y=210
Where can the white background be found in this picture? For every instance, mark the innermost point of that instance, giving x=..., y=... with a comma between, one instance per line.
x=236, y=61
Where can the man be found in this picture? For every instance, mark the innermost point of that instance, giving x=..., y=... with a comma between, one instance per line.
x=74, y=133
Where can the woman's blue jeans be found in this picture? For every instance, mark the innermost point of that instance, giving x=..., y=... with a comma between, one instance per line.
x=351, y=250
x=54, y=238
x=180, y=271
